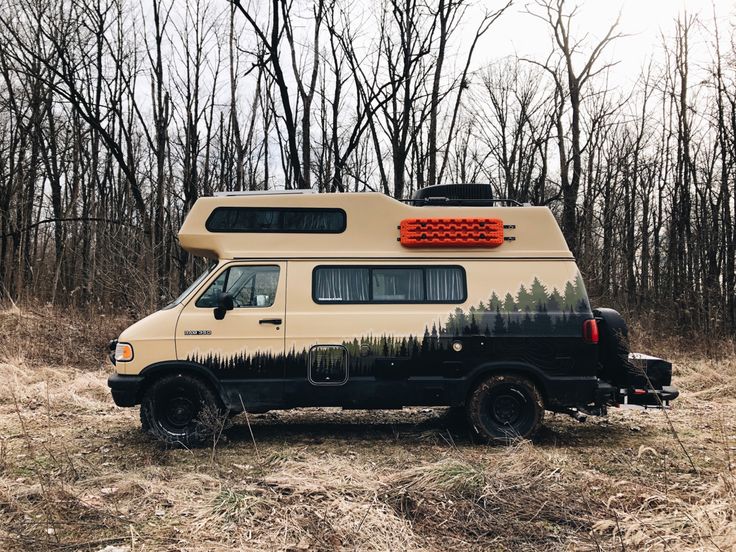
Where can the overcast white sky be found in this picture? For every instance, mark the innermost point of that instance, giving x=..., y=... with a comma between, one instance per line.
x=518, y=33
x=645, y=20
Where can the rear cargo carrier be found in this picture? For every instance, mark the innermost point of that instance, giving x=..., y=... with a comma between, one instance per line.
x=632, y=378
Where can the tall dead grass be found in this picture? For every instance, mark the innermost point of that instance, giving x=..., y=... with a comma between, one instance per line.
x=522, y=499
x=45, y=336
x=77, y=474
x=649, y=333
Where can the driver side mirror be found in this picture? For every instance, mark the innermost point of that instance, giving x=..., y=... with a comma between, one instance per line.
x=224, y=304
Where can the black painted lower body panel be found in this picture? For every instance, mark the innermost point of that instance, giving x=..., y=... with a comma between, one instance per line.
x=392, y=374
x=360, y=392
x=373, y=393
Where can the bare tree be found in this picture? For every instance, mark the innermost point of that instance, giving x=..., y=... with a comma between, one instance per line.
x=270, y=40
x=306, y=89
x=116, y=118
x=573, y=82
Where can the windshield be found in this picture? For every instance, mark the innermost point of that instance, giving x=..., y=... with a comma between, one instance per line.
x=194, y=284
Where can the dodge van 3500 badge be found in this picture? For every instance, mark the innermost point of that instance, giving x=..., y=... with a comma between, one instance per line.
x=448, y=299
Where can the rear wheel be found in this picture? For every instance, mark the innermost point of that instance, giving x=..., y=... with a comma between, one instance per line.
x=505, y=407
x=180, y=409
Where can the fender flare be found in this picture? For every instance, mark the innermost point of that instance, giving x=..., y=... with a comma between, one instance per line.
x=159, y=369
x=480, y=372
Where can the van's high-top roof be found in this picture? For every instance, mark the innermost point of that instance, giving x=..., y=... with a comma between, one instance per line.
x=370, y=230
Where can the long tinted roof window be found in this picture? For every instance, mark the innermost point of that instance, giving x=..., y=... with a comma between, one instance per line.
x=277, y=219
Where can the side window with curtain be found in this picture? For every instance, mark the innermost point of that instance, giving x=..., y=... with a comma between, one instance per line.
x=250, y=286
x=341, y=285
x=445, y=284
x=389, y=284
x=401, y=285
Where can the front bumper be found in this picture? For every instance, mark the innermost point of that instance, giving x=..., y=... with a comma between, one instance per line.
x=125, y=389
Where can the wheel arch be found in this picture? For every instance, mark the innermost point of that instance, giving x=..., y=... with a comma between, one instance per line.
x=158, y=370
x=529, y=371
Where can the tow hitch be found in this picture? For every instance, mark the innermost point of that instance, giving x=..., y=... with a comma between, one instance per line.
x=649, y=382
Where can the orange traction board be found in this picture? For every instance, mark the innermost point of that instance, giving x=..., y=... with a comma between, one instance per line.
x=451, y=232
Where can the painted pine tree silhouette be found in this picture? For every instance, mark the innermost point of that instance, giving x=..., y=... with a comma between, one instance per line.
x=535, y=310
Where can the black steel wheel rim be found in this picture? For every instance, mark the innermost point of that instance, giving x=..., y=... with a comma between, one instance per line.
x=176, y=408
x=509, y=410
x=506, y=408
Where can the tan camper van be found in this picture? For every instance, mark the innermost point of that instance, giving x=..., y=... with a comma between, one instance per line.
x=362, y=301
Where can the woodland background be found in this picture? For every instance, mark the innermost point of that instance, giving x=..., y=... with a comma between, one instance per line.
x=116, y=116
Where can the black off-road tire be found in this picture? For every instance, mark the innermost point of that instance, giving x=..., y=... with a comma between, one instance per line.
x=505, y=407
x=171, y=408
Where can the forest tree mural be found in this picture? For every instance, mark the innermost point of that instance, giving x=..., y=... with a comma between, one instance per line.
x=535, y=310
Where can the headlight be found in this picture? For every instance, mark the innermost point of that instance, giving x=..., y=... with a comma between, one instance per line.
x=123, y=352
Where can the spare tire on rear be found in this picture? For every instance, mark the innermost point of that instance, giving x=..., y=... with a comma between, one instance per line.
x=613, y=348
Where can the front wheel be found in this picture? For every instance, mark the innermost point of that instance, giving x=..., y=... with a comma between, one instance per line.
x=505, y=407
x=180, y=409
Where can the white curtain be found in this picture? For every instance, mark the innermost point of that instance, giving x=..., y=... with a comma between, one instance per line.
x=342, y=284
x=445, y=284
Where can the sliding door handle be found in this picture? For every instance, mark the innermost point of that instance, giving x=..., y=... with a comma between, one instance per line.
x=274, y=321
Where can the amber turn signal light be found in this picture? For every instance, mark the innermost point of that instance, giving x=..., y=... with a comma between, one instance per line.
x=124, y=352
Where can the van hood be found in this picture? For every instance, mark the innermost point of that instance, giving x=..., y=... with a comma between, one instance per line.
x=158, y=325
x=152, y=340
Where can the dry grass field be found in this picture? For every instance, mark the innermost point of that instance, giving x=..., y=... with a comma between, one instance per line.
x=76, y=473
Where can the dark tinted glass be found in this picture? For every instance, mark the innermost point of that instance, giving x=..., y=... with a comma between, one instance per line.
x=280, y=219
x=398, y=284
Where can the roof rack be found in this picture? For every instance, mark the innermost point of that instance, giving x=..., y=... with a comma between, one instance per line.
x=462, y=202
x=262, y=192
